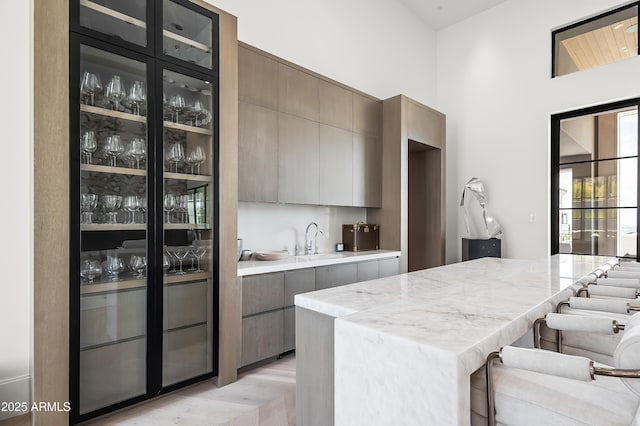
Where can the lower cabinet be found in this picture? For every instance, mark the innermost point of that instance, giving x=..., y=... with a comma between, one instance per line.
x=268, y=312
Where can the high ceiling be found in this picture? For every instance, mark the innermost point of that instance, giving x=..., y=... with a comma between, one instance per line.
x=442, y=13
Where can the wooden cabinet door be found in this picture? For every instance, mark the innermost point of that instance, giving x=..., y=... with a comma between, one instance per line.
x=262, y=337
x=289, y=329
x=257, y=79
x=298, y=281
x=389, y=267
x=367, y=171
x=335, y=163
x=298, y=167
x=336, y=106
x=297, y=93
x=336, y=275
x=367, y=270
x=257, y=154
x=261, y=293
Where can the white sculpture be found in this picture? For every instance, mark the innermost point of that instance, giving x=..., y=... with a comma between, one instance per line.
x=479, y=224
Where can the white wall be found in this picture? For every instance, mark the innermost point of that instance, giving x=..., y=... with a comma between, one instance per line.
x=494, y=86
x=376, y=46
x=265, y=226
x=16, y=174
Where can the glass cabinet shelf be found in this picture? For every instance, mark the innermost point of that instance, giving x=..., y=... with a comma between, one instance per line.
x=113, y=13
x=186, y=128
x=187, y=41
x=113, y=227
x=97, y=168
x=171, y=226
x=183, y=176
x=110, y=113
x=170, y=278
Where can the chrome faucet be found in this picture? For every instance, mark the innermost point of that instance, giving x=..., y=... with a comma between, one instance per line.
x=309, y=244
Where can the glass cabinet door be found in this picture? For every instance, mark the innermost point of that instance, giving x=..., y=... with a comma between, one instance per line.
x=122, y=19
x=113, y=228
x=188, y=210
x=187, y=35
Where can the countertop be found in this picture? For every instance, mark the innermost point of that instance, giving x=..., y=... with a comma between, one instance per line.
x=253, y=267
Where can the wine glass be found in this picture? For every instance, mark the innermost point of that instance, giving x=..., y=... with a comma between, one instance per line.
x=177, y=104
x=111, y=204
x=181, y=208
x=114, y=266
x=88, y=144
x=90, y=269
x=198, y=111
x=166, y=262
x=138, y=264
x=88, y=203
x=191, y=159
x=113, y=147
x=137, y=95
x=180, y=253
x=115, y=92
x=169, y=205
x=142, y=208
x=90, y=85
x=138, y=150
x=175, y=154
x=130, y=205
x=199, y=252
x=200, y=157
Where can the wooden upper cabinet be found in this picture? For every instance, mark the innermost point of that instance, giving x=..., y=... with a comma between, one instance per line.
x=257, y=79
x=425, y=125
x=336, y=105
x=257, y=154
x=298, y=174
x=336, y=162
x=367, y=171
x=367, y=116
x=297, y=93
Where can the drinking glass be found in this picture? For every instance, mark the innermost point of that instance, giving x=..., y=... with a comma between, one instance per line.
x=200, y=157
x=114, y=148
x=89, y=86
x=142, y=208
x=180, y=253
x=138, y=264
x=111, y=204
x=90, y=269
x=177, y=104
x=191, y=159
x=199, y=252
x=175, y=154
x=130, y=206
x=114, y=266
x=88, y=144
x=166, y=262
x=198, y=111
x=137, y=95
x=169, y=205
x=115, y=92
x=88, y=203
x=138, y=150
x=181, y=208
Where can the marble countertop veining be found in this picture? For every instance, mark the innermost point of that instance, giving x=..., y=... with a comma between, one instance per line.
x=466, y=309
x=253, y=267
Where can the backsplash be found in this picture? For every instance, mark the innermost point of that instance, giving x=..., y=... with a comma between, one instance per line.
x=265, y=226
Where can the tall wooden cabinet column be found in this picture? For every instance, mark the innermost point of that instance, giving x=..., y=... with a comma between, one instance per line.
x=412, y=217
x=151, y=58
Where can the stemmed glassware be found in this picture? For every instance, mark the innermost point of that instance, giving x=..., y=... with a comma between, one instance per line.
x=177, y=104
x=88, y=203
x=88, y=144
x=113, y=147
x=191, y=160
x=199, y=157
x=130, y=206
x=175, y=154
x=198, y=111
x=182, y=208
x=90, y=269
x=114, y=265
x=180, y=253
x=111, y=204
x=142, y=208
x=166, y=262
x=138, y=150
x=199, y=253
x=137, y=95
x=138, y=264
x=115, y=92
x=89, y=86
x=169, y=205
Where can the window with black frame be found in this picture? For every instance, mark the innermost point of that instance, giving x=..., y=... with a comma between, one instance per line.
x=595, y=181
x=598, y=40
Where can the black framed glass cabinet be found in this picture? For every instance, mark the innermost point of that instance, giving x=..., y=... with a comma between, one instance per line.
x=143, y=200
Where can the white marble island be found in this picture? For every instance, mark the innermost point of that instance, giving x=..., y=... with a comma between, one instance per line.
x=405, y=346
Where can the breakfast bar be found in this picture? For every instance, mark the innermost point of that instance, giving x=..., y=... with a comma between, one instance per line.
x=401, y=349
